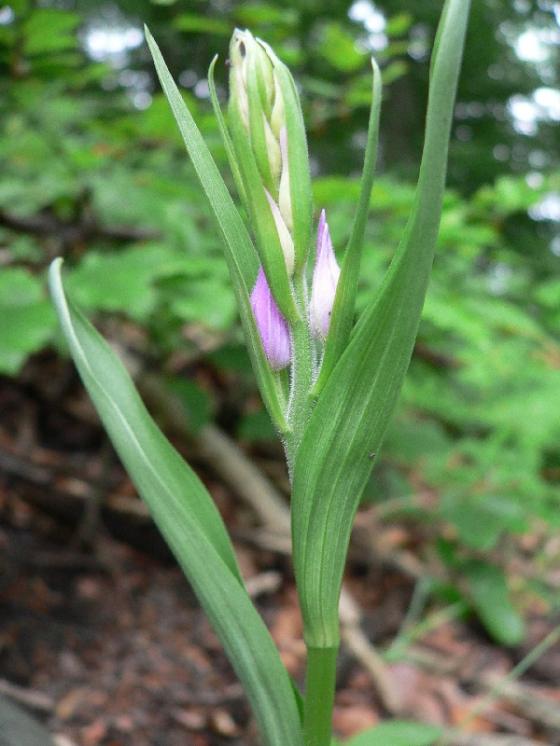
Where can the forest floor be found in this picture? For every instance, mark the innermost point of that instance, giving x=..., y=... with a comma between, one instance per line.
x=102, y=640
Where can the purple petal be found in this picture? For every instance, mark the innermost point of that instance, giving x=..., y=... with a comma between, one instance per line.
x=272, y=326
x=325, y=279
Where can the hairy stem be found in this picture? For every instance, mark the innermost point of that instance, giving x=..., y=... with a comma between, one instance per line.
x=302, y=373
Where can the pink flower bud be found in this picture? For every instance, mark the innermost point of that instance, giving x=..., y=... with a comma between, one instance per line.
x=272, y=326
x=325, y=278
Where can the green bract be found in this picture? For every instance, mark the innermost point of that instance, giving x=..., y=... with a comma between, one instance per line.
x=332, y=410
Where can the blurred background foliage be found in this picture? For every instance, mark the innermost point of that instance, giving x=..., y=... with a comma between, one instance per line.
x=91, y=168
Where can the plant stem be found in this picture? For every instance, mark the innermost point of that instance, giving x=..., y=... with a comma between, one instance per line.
x=302, y=372
x=319, y=695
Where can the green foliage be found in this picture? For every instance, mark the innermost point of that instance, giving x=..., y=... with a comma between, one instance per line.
x=196, y=402
x=48, y=30
x=397, y=733
x=488, y=588
x=28, y=318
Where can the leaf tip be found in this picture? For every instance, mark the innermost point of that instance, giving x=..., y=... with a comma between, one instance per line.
x=149, y=39
x=56, y=290
x=212, y=66
x=55, y=272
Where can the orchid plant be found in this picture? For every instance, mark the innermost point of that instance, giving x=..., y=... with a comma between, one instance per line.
x=330, y=381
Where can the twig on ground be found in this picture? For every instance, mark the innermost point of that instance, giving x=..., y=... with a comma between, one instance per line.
x=527, y=699
x=28, y=697
x=459, y=738
x=263, y=583
x=362, y=649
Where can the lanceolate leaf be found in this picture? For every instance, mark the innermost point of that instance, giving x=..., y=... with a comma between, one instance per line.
x=343, y=310
x=349, y=421
x=189, y=521
x=240, y=253
x=228, y=144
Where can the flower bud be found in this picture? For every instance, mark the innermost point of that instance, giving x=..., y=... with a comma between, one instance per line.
x=278, y=114
x=295, y=180
x=252, y=96
x=286, y=241
x=272, y=326
x=269, y=140
x=284, y=196
x=325, y=278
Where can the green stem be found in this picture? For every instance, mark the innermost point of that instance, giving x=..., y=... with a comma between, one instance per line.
x=319, y=696
x=301, y=374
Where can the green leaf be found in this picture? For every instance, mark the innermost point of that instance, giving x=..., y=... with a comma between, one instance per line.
x=19, y=729
x=399, y=24
x=120, y=281
x=397, y=733
x=226, y=137
x=50, y=30
x=490, y=597
x=196, y=402
x=347, y=425
x=338, y=46
x=255, y=427
x=344, y=305
x=153, y=463
x=28, y=319
x=195, y=23
x=240, y=253
x=259, y=14
x=189, y=521
x=481, y=520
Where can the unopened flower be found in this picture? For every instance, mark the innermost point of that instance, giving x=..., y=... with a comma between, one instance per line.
x=284, y=235
x=254, y=96
x=325, y=278
x=266, y=126
x=272, y=326
x=284, y=196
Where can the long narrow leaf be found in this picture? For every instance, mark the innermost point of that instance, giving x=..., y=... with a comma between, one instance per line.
x=349, y=421
x=189, y=521
x=226, y=137
x=240, y=253
x=344, y=304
